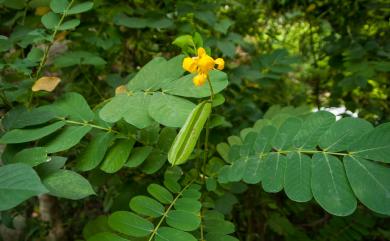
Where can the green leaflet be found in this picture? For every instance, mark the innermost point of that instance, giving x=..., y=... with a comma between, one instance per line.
x=67, y=138
x=181, y=213
x=146, y=206
x=342, y=133
x=50, y=20
x=117, y=155
x=155, y=73
x=183, y=220
x=154, y=162
x=95, y=151
x=132, y=108
x=160, y=193
x=273, y=168
x=303, y=153
x=170, y=110
x=73, y=106
x=26, y=135
x=59, y=6
x=32, y=156
x=20, y=117
x=297, y=177
x=330, y=185
x=80, y=8
x=96, y=226
x=154, y=95
x=166, y=233
x=185, y=141
x=312, y=128
x=184, y=86
x=130, y=224
x=18, y=182
x=68, y=184
x=106, y=236
x=374, y=145
x=138, y=156
x=370, y=182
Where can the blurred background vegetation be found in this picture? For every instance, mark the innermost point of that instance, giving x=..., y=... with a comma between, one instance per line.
x=321, y=54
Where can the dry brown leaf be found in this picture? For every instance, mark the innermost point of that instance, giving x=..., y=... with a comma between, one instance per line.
x=46, y=83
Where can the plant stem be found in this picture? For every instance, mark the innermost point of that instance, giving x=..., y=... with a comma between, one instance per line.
x=211, y=89
x=167, y=211
x=206, y=142
x=46, y=52
x=96, y=127
x=314, y=152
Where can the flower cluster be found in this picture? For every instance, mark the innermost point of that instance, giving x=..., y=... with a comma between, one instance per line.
x=202, y=64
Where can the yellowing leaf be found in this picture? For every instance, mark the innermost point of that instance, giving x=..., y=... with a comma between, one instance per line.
x=121, y=89
x=46, y=83
x=61, y=36
x=40, y=11
x=311, y=7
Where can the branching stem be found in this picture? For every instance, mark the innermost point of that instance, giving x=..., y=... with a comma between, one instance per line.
x=154, y=232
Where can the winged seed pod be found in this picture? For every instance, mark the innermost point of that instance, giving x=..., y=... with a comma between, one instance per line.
x=185, y=141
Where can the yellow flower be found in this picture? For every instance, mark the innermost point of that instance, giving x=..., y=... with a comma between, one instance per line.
x=199, y=79
x=220, y=63
x=202, y=64
x=189, y=64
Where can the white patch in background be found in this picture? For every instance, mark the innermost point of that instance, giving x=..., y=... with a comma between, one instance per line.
x=339, y=111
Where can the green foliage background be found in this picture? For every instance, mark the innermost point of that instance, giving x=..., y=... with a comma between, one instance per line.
x=283, y=58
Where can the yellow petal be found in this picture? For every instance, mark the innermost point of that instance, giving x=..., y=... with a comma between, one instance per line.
x=121, y=89
x=201, y=52
x=205, y=64
x=46, y=83
x=189, y=64
x=220, y=63
x=199, y=79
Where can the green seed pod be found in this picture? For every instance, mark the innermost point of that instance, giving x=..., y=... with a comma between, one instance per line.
x=185, y=141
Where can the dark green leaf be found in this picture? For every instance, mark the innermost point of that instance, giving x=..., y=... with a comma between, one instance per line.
x=70, y=24
x=342, y=133
x=50, y=20
x=297, y=177
x=160, y=193
x=169, y=110
x=165, y=233
x=68, y=184
x=146, y=206
x=80, y=8
x=73, y=106
x=184, y=86
x=59, y=6
x=330, y=185
x=370, y=182
x=183, y=220
x=26, y=135
x=132, y=108
x=18, y=182
x=312, y=128
x=106, y=236
x=32, y=156
x=138, y=156
x=95, y=151
x=374, y=145
x=117, y=155
x=130, y=224
x=67, y=138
